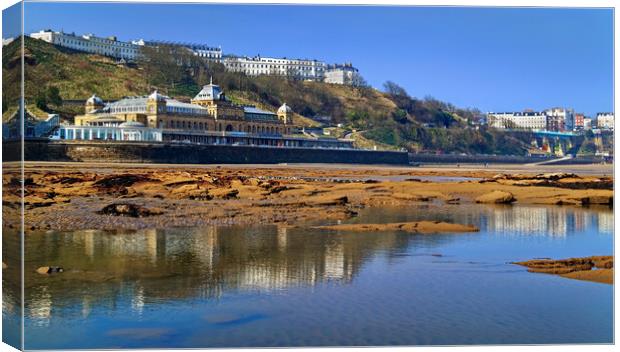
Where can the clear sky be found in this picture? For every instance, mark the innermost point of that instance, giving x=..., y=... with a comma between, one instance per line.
x=495, y=59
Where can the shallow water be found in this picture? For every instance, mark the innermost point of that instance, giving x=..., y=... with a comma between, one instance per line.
x=271, y=286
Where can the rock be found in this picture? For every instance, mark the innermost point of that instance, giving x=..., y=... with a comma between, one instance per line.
x=278, y=189
x=597, y=200
x=127, y=209
x=35, y=202
x=554, y=176
x=230, y=194
x=496, y=197
x=575, y=268
x=454, y=200
x=123, y=180
x=253, y=181
x=334, y=201
x=49, y=270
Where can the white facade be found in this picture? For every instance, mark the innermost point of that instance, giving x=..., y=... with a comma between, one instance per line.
x=605, y=120
x=343, y=74
x=109, y=132
x=517, y=120
x=560, y=119
x=587, y=123
x=254, y=66
x=91, y=44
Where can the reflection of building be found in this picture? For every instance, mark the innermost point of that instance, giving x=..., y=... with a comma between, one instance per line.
x=39, y=307
x=335, y=261
x=530, y=221
x=606, y=222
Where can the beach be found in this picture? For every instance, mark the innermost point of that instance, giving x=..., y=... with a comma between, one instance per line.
x=72, y=196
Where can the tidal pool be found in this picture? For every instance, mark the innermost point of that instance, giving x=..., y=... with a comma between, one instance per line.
x=278, y=286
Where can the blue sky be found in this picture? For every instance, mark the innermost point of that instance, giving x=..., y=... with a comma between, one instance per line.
x=496, y=59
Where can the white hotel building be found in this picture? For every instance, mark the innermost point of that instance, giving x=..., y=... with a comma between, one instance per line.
x=528, y=120
x=313, y=70
x=91, y=44
x=344, y=74
x=605, y=120
x=305, y=69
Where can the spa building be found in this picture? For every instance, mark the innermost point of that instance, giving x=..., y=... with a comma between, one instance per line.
x=209, y=118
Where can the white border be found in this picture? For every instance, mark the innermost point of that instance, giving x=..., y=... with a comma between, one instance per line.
x=470, y=3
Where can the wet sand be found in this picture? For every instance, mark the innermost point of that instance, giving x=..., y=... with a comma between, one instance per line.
x=71, y=196
x=466, y=170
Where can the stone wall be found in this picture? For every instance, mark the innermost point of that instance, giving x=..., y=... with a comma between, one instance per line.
x=494, y=159
x=140, y=152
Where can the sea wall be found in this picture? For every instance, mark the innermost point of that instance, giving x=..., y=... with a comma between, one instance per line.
x=494, y=159
x=140, y=152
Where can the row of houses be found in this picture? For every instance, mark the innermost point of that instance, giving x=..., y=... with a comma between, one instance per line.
x=555, y=119
x=306, y=69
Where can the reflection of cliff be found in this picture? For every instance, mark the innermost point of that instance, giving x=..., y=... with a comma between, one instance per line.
x=136, y=268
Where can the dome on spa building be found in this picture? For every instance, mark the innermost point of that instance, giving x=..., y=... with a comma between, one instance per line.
x=285, y=109
x=94, y=99
x=210, y=92
x=156, y=96
x=131, y=124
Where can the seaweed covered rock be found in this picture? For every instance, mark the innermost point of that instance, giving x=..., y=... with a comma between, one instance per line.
x=128, y=209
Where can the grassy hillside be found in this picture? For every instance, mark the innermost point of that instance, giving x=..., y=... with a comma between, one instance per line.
x=76, y=75
x=389, y=120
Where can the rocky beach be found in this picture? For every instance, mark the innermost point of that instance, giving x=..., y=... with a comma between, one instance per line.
x=68, y=197
x=83, y=196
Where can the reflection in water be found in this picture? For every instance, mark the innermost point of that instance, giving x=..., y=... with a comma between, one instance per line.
x=138, y=270
x=549, y=221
